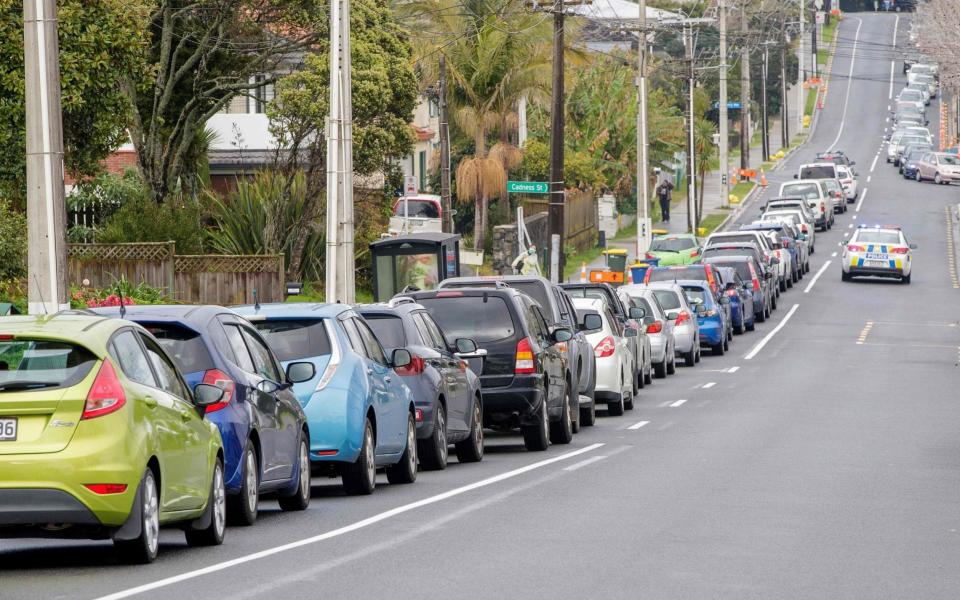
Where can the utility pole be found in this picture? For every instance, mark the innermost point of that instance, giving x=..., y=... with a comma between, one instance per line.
x=765, y=126
x=557, y=185
x=814, y=66
x=744, y=90
x=445, y=200
x=800, y=75
x=643, y=167
x=46, y=210
x=784, y=109
x=692, y=220
x=724, y=117
x=347, y=289
x=333, y=156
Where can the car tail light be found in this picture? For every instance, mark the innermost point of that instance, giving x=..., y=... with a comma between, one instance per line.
x=899, y=250
x=416, y=366
x=106, y=395
x=6, y=337
x=106, y=488
x=561, y=347
x=856, y=248
x=221, y=380
x=682, y=317
x=804, y=229
x=525, y=364
x=605, y=348
x=823, y=208
x=695, y=254
x=732, y=293
x=655, y=327
x=650, y=256
x=418, y=415
x=711, y=280
x=756, y=284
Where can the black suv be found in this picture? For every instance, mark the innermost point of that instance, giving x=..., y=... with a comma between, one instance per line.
x=523, y=376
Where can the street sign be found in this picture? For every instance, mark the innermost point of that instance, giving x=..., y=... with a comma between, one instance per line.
x=730, y=105
x=821, y=17
x=410, y=186
x=528, y=187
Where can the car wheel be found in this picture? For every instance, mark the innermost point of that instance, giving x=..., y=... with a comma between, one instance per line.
x=561, y=431
x=536, y=435
x=300, y=499
x=905, y=279
x=807, y=266
x=588, y=415
x=751, y=326
x=648, y=377
x=726, y=345
x=795, y=277
x=699, y=354
x=718, y=349
x=433, y=450
x=360, y=476
x=917, y=177
x=143, y=549
x=405, y=471
x=616, y=408
x=660, y=369
x=641, y=382
x=937, y=179
x=672, y=365
x=690, y=358
x=773, y=303
x=242, y=508
x=738, y=329
x=212, y=534
x=471, y=449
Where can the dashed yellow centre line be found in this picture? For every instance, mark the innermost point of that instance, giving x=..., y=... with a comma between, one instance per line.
x=951, y=249
x=863, y=334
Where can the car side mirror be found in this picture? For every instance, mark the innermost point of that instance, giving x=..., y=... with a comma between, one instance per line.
x=637, y=312
x=561, y=334
x=724, y=300
x=400, y=358
x=268, y=387
x=672, y=316
x=701, y=310
x=298, y=372
x=591, y=322
x=768, y=275
x=913, y=246
x=629, y=332
x=205, y=395
x=649, y=320
x=466, y=346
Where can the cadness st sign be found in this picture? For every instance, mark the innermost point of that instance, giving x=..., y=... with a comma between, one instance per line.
x=528, y=187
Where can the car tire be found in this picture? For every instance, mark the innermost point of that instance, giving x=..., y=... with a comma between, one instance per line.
x=773, y=303
x=718, y=349
x=212, y=534
x=641, y=382
x=660, y=369
x=726, y=345
x=751, y=326
x=561, y=430
x=796, y=277
x=738, y=329
x=360, y=477
x=536, y=436
x=588, y=415
x=143, y=549
x=433, y=451
x=918, y=177
x=648, y=377
x=690, y=358
x=405, y=471
x=937, y=179
x=242, y=508
x=672, y=366
x=616, y=408
x=300, y=498
x=905, y=279
x=699, y=354
x=471, y=449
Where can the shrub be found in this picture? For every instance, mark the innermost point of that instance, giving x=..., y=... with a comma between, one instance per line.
x=13, y=242
x=143, y=220
x=142, y=293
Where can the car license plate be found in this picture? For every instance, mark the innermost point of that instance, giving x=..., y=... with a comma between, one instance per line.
x=876, y=263
x=876, y=257
x=8, y=429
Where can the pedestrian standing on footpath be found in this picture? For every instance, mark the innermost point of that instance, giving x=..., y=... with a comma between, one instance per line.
x=663, y=194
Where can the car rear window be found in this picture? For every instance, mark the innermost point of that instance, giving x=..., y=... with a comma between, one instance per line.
x=296, y=339
x=818, y=172
x=534, y=289
x=27, y=364
x=805, y=190
x=948, y=159
x=712, y=252
x=733, y=239
x=695, y=295
x=741, y=267
x=421, y=209
x=387, y=329
x=672, y=274
x=184, y=345
x=878, y=237
x=668, y=300
x=672, y=244
x=644, y=304
x=480, y=318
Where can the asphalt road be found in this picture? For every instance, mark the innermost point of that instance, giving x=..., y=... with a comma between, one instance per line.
x=826, y=464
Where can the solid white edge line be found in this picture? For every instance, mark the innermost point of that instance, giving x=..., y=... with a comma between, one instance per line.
x=874, y=165
x=816, y=277
x=347, y=528
x=638, y=425
x=773, y=332
x=846, y=101
x=863, y=195
x=678, y=403
x=890, y=96
x=583, y=463
x=896, y=25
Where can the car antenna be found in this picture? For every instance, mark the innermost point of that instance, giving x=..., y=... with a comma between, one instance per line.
x=256, y=299
x=123, y=309
x=40, y=294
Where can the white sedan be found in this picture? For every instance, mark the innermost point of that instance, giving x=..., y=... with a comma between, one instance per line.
x=611, y=348
x=847, y=179
x=877, y=251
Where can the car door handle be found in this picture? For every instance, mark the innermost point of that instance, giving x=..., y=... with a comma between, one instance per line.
x=150, y=402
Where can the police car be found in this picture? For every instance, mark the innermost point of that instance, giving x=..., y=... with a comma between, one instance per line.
x=877, y=251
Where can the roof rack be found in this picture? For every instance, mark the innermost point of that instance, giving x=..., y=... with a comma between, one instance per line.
x=397, y=301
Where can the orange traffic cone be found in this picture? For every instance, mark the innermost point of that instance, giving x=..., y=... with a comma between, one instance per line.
x=763, y=179
x=733, y=178
x=583, y=272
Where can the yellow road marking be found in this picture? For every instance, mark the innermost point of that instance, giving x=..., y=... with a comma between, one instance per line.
x=951, y=250
x=865, y=333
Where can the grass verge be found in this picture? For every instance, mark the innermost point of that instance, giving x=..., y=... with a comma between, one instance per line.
x=711, y=222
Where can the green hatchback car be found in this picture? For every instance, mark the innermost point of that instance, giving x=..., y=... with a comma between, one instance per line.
x=100, y=437
x=675, y=249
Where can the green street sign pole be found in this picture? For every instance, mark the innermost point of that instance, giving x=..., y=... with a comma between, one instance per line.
x=528, y=187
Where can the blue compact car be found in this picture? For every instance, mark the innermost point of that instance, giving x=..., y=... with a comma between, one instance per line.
x=360, y=412
x=710, y=315
x=740, y=295
x=264, y=430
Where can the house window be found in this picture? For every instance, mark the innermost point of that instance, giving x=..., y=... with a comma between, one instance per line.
x=261, y=95
x=434, y=108
x=423, y=170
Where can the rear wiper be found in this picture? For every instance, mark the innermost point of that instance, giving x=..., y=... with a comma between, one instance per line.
x=26, y=385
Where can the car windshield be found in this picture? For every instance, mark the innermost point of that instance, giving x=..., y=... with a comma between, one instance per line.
x=184, y=345
x=818, y=172
x=422, y=209
x=481, y=318
x=948, y=159
x=387, y=329
x=806, y=190
x=879, y=237
x=674, y=273
x=27, y=364
x=668, y=300
x=672, y=244
x=296, y=339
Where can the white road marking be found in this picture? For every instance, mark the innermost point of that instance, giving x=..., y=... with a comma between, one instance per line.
x=707, y=386
x=874, y=165
x=678, y=403
x=863, y=196
x=850, y=226
x=854, y=217
x=584, y=463
x=733, y=369
x=846, y=101
x=816, y=277
x=896, y=24
x=756, y=349
x=665, y=404
x=890, y=95
x=833, y=255
x=869, y=177
x=221, y=566
x=639, y=425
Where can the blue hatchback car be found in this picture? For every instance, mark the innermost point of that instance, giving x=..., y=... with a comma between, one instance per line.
x=740, y=295
x=264, y=430
x=710, y=315
x=360, y=413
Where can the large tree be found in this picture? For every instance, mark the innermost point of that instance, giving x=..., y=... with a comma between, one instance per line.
x=203, y=53
x=101, y=45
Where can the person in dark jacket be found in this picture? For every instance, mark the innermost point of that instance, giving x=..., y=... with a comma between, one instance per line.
x=663, y=195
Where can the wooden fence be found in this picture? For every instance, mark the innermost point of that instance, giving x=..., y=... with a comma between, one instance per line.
x=580, y=223
x=208, y=279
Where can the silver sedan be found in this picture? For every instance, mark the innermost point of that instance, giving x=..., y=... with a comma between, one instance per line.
x=686, y=331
